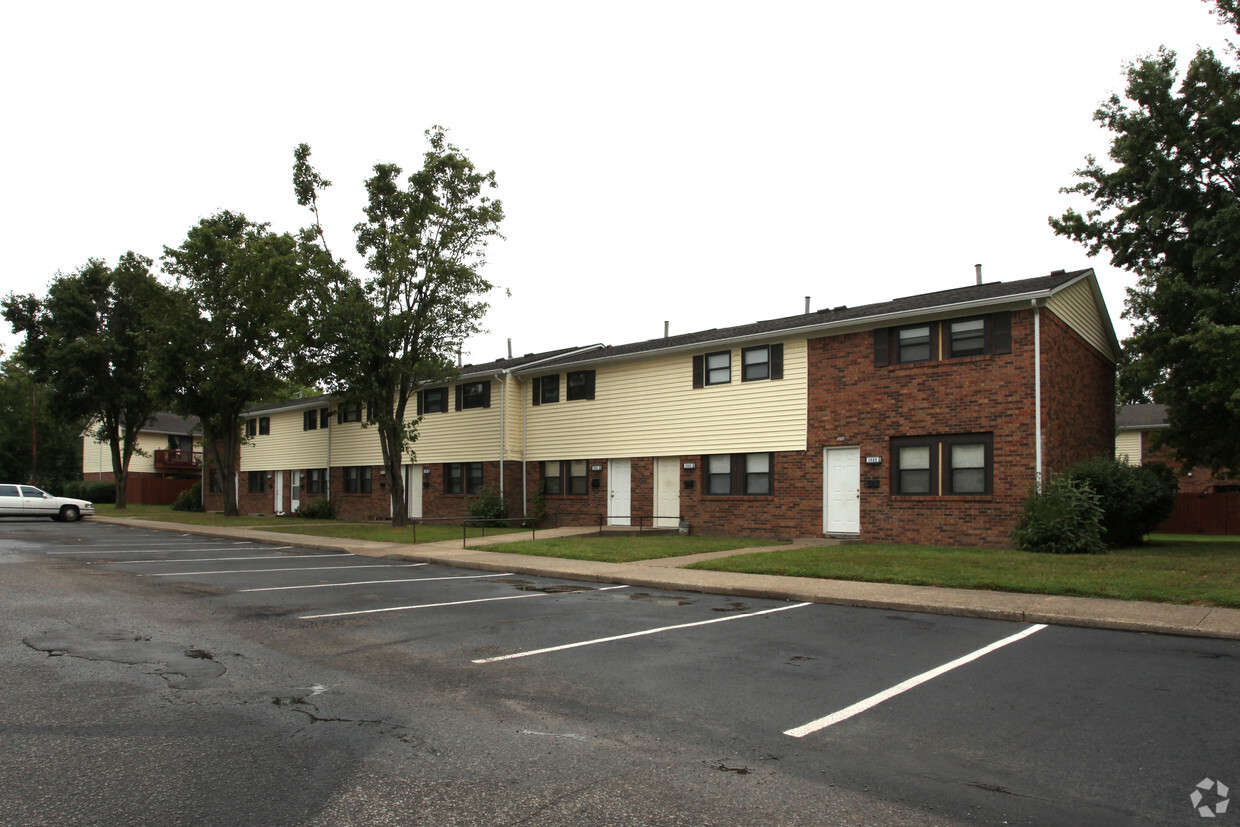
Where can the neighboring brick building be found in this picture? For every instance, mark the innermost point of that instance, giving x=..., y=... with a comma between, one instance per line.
x=1136, y=440
x=168, y=460
x=926, y=419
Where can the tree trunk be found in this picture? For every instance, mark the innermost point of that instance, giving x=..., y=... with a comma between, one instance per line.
x=390, y=443
x=120, y=469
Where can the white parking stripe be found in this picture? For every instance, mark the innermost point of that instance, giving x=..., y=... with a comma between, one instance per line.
x=286, y=570
x=374, y=582
x=166, y=550
x=875, y=700
x=516, y=655
x=219, y=559
x=452, y=603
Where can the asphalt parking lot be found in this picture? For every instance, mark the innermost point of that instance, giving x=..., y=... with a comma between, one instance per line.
x=958, y=719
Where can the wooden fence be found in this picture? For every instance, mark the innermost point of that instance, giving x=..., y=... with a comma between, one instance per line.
x=1204, y=514
x=155, y=490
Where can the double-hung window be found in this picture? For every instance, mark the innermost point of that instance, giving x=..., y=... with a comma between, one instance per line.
x=914, y=344
x=762, y=362
x=547, y=389
x=580, y=385
x=935, y=341
x=473, y=395
x=357, y=479
x=316, y=481
x=310, y=420
x=966, y=337
x=251, y=427
x=258, y=482
x=463, y=478
x=350, y=412
x=728, y=474
x=952, y=465
x=433, y=400
x=712, y=368
x=565, y=477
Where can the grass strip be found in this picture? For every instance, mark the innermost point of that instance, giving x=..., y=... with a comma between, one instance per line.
x=626, y=549
x=1184, y=570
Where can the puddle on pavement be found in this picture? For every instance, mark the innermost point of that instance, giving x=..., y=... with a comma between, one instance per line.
x=662, y=600
x=559, y=588
x=734, y=606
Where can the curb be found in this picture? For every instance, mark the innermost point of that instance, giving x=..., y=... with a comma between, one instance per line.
x=1097, y=613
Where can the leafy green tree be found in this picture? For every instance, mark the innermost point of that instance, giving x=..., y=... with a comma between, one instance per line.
x=234, y=330
x=400, y=327
x=87, y=340
x=1167, y=208
x=40, y=441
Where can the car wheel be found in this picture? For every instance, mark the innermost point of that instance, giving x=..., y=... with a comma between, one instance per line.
x=70, y=514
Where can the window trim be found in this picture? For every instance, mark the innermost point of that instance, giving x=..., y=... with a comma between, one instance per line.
x=482, y=399
x=583, y=388
x=466, y=479
x=546, y=389
x=433, y=400
x=941, y=472
x=358, y=479
x=567, y=484
x=739, y=475
x=316, y=482
x=256, y=482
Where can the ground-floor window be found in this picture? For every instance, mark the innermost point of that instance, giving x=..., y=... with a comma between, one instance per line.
x=463, y=477
x=214, y=485
x=565, y=477
x=952, y=465
x=728, y=474
x=258, y=482
x=316, y=481
x=357, y=479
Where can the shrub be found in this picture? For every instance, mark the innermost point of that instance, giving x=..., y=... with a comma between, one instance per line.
x=319, y=508
x=1134, y=499
x=190, y=499
x=97, y=491
x=1065, y=517
x=489, y=509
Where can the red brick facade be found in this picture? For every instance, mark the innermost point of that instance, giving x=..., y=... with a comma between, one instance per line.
x=856, y=400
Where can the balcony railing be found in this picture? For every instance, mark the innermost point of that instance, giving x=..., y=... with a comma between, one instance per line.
x=168, y=459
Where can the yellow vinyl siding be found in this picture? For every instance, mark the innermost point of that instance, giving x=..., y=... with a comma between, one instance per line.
x=471, y=435
x=1128, y=447
x=650, y=408
x=289, y=446
x=1078, y=308
x=97, y=456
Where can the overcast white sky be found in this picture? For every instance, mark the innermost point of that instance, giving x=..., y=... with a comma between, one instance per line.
x=705, y=163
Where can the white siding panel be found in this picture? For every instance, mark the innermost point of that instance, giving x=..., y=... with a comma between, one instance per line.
x=650, y=408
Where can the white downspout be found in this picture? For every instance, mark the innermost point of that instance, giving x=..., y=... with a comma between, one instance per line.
x=503, y=426
x=1037, y=394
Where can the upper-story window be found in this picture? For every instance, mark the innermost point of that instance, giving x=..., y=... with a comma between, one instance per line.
x=547, y=389
x=473, y=395
x=351, y=412
x=762, y=362
x=966, y=337
x=580, y=385
x=432, y=400
x=933, y=341
x=712, y=368
x=259, y=425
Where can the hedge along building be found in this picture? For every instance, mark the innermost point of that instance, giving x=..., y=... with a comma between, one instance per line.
x=924, y=419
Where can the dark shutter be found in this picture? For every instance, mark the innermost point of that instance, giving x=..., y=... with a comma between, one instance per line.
x=1001, y=332
x=882, y=338
x=777, y=361
x=421, y=402
x=486, y=394
x=589, y=384
x=537, y=390
x=460, y=394
x=699, y=371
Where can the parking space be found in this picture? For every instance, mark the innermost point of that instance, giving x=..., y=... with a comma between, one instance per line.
x=860, y=692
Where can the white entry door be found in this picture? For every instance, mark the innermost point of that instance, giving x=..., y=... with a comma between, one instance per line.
x=294, y=502
x=279, y=509
x=413, y=492
x=841, y=491
x=667, y=492
x=619, y=492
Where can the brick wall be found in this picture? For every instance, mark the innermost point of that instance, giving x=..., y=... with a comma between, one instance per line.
x=1078, y=397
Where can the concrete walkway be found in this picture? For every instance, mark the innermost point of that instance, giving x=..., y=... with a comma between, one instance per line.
x=666, y=573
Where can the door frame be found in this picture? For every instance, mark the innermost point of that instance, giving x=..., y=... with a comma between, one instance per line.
x=671, y=466
x=612, y=489
x=854, y=451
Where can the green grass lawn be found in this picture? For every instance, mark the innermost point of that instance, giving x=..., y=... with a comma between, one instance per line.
x=379, y=532
x=626, y=549
x=1169, y=569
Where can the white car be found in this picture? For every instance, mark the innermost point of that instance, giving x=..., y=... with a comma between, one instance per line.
x=28, y=501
